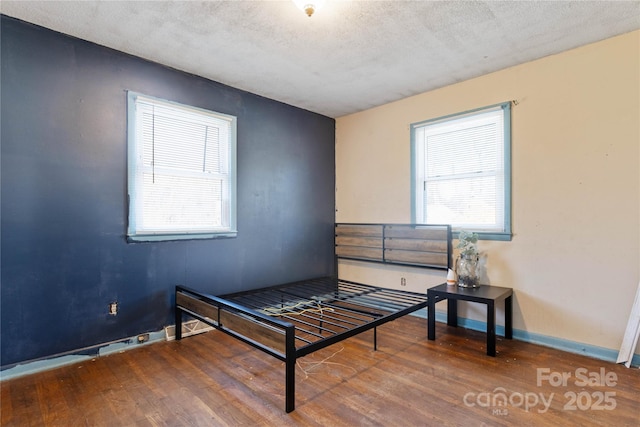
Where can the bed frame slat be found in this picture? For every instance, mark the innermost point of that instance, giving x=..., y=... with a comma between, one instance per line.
x=439, y=246
x=360, y=253
x=423, y=232
x=254, y=330
x=374, y=230
x=370, y=242
x=198, y=306
x=418, y=258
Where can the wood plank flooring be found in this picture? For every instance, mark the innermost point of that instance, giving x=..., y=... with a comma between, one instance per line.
x=214, y=380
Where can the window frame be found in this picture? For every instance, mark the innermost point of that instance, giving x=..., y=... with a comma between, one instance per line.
x=506, y=233
x=134, y=147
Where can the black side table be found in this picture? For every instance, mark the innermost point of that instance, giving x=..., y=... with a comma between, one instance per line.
x=484, y=294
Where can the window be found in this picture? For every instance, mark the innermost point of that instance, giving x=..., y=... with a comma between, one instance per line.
x=181, y=171
x=461, y=171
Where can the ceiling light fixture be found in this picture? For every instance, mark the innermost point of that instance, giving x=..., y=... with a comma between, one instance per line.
x=309, y=6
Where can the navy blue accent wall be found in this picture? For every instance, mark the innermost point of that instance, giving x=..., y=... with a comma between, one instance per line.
x=64, y=213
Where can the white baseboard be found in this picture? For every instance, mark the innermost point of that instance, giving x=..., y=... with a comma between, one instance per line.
x=192, y=327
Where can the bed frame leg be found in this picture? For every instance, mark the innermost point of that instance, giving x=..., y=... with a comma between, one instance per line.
x=178, y=324
x=290, y=386
x=375, y=339
x=290, y=369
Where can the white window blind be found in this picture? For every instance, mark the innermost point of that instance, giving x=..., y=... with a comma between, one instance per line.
x=462, y=172
x=181, y=171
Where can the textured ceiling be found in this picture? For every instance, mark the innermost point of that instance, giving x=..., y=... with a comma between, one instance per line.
x=350, y=56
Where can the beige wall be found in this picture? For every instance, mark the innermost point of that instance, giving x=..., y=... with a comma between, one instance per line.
x=575, y=254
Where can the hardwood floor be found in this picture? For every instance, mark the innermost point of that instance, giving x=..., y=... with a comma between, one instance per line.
x=214, y=380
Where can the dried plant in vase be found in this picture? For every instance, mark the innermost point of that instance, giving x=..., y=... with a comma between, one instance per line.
x=467, y=263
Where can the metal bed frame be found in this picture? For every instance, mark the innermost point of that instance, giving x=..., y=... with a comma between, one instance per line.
x=293, y=320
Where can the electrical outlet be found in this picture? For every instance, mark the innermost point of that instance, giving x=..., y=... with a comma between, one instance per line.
x=113, y=308
x=403, y=281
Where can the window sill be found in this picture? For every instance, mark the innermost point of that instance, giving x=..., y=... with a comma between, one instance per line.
x=140, y=238
x=487, y=235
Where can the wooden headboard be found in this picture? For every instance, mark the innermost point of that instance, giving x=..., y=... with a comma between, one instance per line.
x=416, y=245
